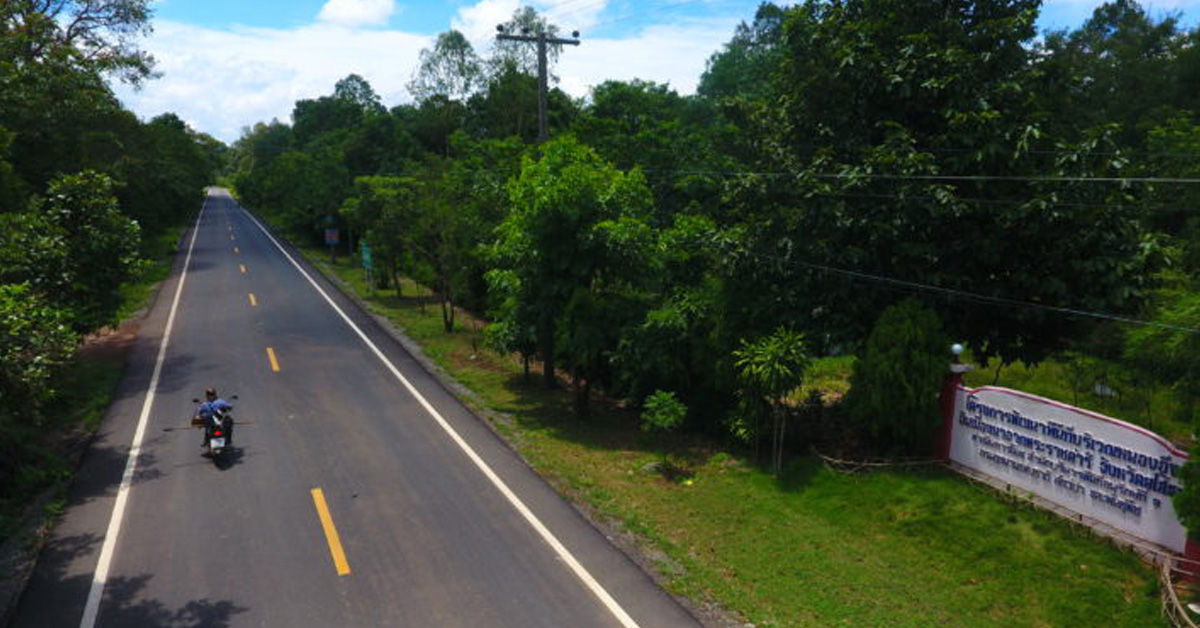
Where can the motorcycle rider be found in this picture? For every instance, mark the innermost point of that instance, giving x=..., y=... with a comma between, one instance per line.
x=206, y=410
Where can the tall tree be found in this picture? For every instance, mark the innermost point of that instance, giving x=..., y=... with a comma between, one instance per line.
x=575, y=220
x=912, y=143
x=1118, y=67
x=94, y=36
x=74, y=248
x=743, y=68
x=355, y=90
x=450, y=70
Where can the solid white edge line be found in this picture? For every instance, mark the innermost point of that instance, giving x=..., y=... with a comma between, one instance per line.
x=547, y=536
x=92, y=608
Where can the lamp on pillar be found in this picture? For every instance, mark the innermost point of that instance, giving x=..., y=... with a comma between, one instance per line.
x=949, y=394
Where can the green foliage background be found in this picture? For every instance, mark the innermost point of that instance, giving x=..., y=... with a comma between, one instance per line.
x=86, y=189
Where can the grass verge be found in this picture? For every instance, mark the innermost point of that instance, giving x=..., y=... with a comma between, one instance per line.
x=810, y=547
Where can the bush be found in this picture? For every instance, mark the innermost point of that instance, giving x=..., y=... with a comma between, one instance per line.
x=662, y=412
x=894, y=388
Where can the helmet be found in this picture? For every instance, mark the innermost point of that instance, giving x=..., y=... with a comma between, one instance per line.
x=210, y=394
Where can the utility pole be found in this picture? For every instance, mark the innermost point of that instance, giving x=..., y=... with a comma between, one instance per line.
x=543, y=83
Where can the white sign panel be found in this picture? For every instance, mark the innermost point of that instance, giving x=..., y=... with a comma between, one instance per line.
x=1107, y=469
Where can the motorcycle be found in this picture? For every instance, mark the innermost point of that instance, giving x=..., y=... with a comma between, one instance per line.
x=218, y=431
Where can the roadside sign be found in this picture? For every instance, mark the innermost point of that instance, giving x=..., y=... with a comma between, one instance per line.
x=331, y=236
x=366, y=256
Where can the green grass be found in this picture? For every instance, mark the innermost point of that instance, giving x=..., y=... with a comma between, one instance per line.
x=831, y=376
x=158, y=253
x=86, y=387
x=812, y=547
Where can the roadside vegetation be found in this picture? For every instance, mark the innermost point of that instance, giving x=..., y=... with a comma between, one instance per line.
x=92, y=201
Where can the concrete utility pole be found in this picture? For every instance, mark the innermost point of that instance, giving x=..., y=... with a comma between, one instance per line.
x=541, y=40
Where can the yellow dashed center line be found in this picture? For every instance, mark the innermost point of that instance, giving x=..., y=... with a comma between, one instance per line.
x=235, y=250
x=274, y=362
x=331, y=535
x=243, y=268
x=253, y=301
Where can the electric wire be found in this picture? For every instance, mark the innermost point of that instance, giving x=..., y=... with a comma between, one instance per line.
x=946, y=177
x=970, y=296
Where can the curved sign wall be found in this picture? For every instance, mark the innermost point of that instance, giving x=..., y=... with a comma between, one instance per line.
x=1101, y=467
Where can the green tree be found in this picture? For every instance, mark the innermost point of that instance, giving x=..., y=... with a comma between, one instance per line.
x=639, y=123
x=385, y=210
x=450, y=70
x=93, y=35
x=662, y=412
x=35, y=341
x=1169, y=354
x=477, y=185
x=507, y=106
x=73, y=249
x=769, y=370
x=574, y=226
x=894, y=387
x=1121, y=66
x=743, y=68
x=913, y=144
x=163, y=166
x=1187, y=500
x=12, y=190
x=101, y=243
x=355, y=90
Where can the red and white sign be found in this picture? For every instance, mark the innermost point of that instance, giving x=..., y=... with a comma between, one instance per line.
x=1112, y=471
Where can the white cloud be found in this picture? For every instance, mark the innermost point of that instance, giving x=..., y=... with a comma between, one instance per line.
x=675, y=54
x=478, y=21
x=220, y=81
x=356, y=13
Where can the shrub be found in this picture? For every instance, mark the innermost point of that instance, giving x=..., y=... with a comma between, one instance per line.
x=894, y=388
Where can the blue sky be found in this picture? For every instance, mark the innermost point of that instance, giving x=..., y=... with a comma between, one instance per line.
x=227, y=64
x=431, y=17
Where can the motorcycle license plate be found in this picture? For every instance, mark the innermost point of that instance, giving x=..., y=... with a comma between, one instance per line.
x=216, y=443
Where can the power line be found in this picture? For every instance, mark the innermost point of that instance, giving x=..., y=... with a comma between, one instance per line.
x=972, y=296
x=1033, y=151
x=942, y=177
x=1133, y=205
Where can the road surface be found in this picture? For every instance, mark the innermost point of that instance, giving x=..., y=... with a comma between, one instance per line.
x=356, y=495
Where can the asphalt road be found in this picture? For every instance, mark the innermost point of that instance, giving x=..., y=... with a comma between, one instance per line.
x=336, y=453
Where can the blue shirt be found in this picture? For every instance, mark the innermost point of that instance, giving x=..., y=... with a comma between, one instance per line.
x=209, y=407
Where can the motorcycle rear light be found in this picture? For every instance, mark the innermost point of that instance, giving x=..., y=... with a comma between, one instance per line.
x=217, y=433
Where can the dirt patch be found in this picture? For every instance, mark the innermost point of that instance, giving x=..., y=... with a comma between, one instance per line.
x=110, y=345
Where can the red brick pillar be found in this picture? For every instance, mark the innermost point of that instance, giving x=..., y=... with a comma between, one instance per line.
x=950, y=386
x=1191, y=553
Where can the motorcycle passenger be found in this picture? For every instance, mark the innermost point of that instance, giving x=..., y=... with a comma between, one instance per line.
x=211, y=406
